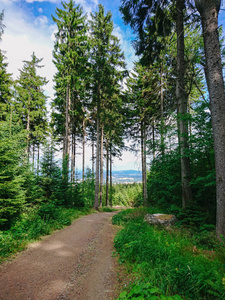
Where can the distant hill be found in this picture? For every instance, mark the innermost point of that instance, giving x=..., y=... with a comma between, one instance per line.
x=120, y=176
x=126, y=176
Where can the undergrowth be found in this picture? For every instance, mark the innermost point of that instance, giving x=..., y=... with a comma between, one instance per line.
x=166, y=262
x=107, y=209
x=35, y=223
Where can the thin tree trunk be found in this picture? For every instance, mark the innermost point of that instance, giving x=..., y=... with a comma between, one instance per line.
x=153, y=137
x=28, y=133
x=145, y=165
x=38, y=159
x=67, y=137
x=72, y=158
x=101, y=166
x=107, y=175
x=214, y=76
x=74, y=155
x=142, y=159
x=33, y=157
x=161, y=112
x=97, y=155
x=83, y=163
x=182, y=108
x=110, y=172
x=93, y=156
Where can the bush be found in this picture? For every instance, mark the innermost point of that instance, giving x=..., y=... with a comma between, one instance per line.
x=166, y=259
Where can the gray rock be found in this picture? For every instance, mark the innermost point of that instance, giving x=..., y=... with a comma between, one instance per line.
x=163, y=219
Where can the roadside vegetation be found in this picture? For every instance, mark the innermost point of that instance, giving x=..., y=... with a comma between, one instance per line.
x=181, y=262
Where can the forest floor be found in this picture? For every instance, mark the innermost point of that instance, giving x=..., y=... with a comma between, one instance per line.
x=73, y=263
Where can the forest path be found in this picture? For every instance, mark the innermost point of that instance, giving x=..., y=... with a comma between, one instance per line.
x=73, y=263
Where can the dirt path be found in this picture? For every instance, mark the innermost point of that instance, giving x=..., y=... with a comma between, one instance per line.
x=74, y=263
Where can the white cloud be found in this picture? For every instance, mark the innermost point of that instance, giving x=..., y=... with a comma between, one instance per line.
x=22, y=37
x=41, y=21
x=40, y=10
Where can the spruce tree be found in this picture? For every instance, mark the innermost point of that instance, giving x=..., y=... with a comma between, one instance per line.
x=70, y=58
x=5, y=80
x=31, y=102
x=12, y=194
x=107, y=70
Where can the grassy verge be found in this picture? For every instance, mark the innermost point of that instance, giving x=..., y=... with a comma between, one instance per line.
x=35, y=223
x=166, y=264
x=107, y=209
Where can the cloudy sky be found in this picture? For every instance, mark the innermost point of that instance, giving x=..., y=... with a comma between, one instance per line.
x=29, y=28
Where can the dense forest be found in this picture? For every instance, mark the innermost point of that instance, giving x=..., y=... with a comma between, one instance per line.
x=170, y=106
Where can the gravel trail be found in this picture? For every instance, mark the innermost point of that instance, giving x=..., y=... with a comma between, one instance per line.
x=73, y=263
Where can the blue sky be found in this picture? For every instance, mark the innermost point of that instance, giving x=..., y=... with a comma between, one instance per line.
x=29, y=27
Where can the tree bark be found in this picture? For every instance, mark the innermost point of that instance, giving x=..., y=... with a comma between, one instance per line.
x=145, y=165
x=67, y=125
x=182, y=107
x=28, y=133
x=208, y=10
x=143, y=162
x=93, y=156
x=142, y=158
x=38, y=159
x=101, y=166
x=107, y=175
x=83, y=160
x=153, y=137
x=110, y=172
x=97, y=155
x=73, y=158
x=161, y=112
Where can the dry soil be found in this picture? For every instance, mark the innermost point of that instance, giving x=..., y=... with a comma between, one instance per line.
x=73, y=263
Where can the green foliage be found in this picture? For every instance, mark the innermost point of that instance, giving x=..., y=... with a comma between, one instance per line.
x=166, y=259
x=12, y=196
x=164, y=182
x=127, y=194
x=30, y=102
x=107, y=209
x=88, y=189
x=127, y=215
x=145, y=290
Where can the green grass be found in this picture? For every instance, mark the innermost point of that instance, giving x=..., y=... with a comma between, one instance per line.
x=107, y=209
x=35, y=223
x=167, y=260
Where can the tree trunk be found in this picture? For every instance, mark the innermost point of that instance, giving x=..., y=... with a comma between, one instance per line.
x=67, y=135
x=28, y=133
x=110, y=172
x=107, y=175
x=101, y=167
x=208, y=10
x=97, y=156
x=161, y=112
x=33, y=154
x=72, y=159
x=145, y=165
x=153, y=137
x=182, y=107
x=142, y=158
x=38, y=159
x=83, y=163
x=93, y=156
